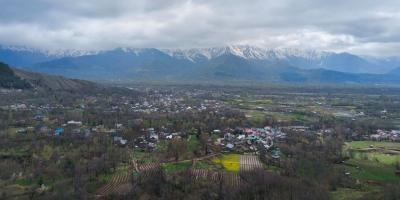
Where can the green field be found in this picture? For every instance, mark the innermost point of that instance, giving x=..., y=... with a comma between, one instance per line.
x=371, y=164
x=255, y=116
x=347, y=193
x=366, y=170
x=375, y=144
x=206, y=164
x=144, y=157
x=174, y=167
x=373, y=160
x=355, y=194
x=193, y=143
x=387, y=153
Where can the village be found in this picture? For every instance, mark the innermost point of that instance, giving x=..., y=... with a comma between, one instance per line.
x=209, y=133
x=90, y=116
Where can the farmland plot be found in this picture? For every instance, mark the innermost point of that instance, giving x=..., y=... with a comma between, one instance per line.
x=229, y=178
x=120, y=184
x=249, y=163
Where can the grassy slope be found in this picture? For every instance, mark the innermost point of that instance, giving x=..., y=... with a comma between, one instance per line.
x=375, y=167
x=371, y=171
x=387, y=153
x=376, y=144
x=174, y=167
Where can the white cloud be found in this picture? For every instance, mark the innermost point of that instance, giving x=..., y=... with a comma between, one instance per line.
x=360, y=26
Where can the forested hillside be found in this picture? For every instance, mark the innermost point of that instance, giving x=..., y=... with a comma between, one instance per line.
x=8, y=79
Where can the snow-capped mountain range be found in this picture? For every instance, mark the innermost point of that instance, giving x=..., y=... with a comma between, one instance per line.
x=245, y=51
x=302, y=58
x=59, y=53
x=229, y=62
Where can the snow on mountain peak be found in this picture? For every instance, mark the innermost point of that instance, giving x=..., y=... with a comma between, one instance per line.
x=244, y=51
x=58, y=53
x=289, y=53
x=193, y=54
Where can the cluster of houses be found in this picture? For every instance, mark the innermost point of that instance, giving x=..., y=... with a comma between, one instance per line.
x=151, y=137
x=239, y=139
x=161, y=102
x=31, y=107
x=168, y=104
x=41, y=124
x=154, y=101
x=393, y=135
x=8, y=91
x=249, y=139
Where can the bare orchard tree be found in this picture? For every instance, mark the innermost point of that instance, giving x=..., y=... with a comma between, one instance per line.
x=176, y=148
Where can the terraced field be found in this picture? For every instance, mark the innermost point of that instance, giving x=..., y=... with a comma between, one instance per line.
x=229, y=178
x=119, y=184
x=249, y=163
x=197, y=174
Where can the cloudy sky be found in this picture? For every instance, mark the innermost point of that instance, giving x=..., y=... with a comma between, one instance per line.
x=370, y=27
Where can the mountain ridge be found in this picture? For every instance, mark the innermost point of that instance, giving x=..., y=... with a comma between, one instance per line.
x=301, y=58
x=12, y=78
x=235, y=62
x=9, y=80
